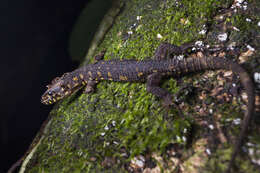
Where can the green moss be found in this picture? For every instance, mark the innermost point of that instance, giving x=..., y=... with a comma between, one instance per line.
x=122, y=119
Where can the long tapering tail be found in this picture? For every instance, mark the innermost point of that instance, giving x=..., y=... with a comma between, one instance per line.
x=223, y=63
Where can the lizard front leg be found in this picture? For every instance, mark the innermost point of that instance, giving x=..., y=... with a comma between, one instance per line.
x=91, y=84
x=152, y=86
x=90, y=87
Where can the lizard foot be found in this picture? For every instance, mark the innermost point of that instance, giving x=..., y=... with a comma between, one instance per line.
x=168, y=104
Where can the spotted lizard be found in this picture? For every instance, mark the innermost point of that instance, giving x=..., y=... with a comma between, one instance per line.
x=151, y=71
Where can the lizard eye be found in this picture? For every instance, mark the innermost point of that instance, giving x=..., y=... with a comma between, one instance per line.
x=55, y=80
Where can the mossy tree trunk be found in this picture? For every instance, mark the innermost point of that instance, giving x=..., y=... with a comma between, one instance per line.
x=123, y=128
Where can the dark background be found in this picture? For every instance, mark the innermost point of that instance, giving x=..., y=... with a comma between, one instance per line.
x=34, y=37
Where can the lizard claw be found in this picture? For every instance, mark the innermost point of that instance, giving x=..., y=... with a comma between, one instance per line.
x=168, y=103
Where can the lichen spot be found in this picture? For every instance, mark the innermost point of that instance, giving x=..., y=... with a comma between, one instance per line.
x=123, y=78
x=109, y=74
x=155, y=71
x=140, y=74
x=75, y=78
x=81, y=76
x=89, y=73
x=99, y=73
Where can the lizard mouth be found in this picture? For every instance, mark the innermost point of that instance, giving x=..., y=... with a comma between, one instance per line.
x=55, y=94
x=48, y=99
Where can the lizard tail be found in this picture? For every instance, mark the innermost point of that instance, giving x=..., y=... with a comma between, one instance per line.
x=223, y=63
x=249, y=89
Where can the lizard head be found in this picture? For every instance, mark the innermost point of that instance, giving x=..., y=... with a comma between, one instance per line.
x=59, y=88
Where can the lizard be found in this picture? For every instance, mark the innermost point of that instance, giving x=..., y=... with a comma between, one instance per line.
x=151, y=71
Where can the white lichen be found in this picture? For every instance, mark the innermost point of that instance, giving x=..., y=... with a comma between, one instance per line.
x=130, y=32
x=222, y=37
x=159, y=36
x=199, y=43
x=102, y=134
x=138, y=162
x=208, y=151
x=248, y=20
x=184, y=139
x=250, y=47
x=257, y=77
x=203, y=32
x=211, y=127
x=138, y=17
x=106, y=128
x=235, y=28
x=237, y=121
x=114, y=123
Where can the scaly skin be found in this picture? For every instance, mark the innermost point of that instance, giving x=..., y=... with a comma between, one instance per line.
x=151, y=71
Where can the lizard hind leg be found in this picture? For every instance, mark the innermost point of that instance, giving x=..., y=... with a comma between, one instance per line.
x=166, y=50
